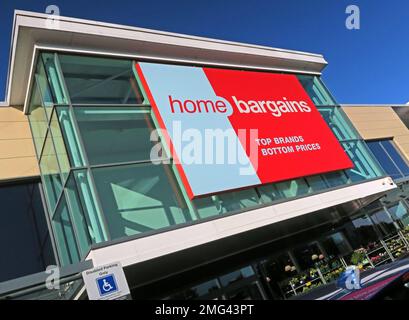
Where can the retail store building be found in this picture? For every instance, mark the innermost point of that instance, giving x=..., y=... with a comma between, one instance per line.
x=79, y=181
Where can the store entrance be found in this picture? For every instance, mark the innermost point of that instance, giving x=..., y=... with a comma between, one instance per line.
x=242, y=284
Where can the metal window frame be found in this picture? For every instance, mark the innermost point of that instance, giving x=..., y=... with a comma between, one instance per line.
x=389, y=156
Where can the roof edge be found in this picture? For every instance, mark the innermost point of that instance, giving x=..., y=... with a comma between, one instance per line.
x=166, y=33
x=30, y=29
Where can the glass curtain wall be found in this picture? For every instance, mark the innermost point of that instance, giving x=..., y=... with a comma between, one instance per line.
x=389, y=158
x=92, y=126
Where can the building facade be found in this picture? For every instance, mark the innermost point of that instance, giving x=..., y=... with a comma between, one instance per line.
x=76, y=142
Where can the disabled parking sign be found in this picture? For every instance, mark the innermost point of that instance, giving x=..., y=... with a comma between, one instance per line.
x=106, y=282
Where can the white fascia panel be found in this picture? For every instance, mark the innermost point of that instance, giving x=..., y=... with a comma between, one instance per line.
x=89, y=27
x=146, y=248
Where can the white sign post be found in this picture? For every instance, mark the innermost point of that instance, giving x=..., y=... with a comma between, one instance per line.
x=106, y=282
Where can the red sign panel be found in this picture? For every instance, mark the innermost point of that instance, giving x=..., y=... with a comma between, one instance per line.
x=276, y=125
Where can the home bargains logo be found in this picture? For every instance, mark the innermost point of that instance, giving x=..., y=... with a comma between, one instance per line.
x=229, y=129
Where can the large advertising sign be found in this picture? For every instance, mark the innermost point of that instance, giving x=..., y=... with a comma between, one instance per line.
x=230, y=129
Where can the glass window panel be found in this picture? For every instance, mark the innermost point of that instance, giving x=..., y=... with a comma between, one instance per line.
x=305, y=254
x=87, y=196
x=396, y=156
x=203, y=289
x=317, y=183
x=80, y=222
x=384, y=159
x=100, y=80
x=125, y=132
x=360, y=232
x=70, y=135
x=335, y=179
x=51, y=66
x=226, y=202
x=37, y=118
x=237, y=200
x=45, y=91
x=293, y=188
x=278, y=268
x=59, y=144
x=140, y=198
x=249, y=292
x=232, y=277
x=208, y=206
x=336, y=245
x=64, y=234
x=50, y=173
x=365, y=166
x=400, y=212
x=247, y=272
x=384, y=222
x=338, y=123
x=269, y=193
x=316, y=90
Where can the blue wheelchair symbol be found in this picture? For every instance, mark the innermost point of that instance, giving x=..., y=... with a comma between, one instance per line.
x=107, y=284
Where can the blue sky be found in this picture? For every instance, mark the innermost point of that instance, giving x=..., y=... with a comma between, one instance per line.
x=369, y=65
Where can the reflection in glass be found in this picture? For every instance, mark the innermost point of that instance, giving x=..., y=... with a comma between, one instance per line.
x=139, y=198
x=400, y=214
x=307, y=255
x=384, y=222
x=67, y=128
x=86, y=198
x=204, y=289
x=386, y=162
x=226, y=202
x=38, y=119
x=365, y=166
x=339, y=123
x=232, y=277
x=65, y=237
x=112, y=135
x=360, y=232
x=336, y=244
x=269, y=193
x=55, y=78
x=316, y=90
x=59, y=144
x=51, y=173
x=389, y=158
x=293, y=188
x=44, y=88
x=80, y=223
x=100, y=80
